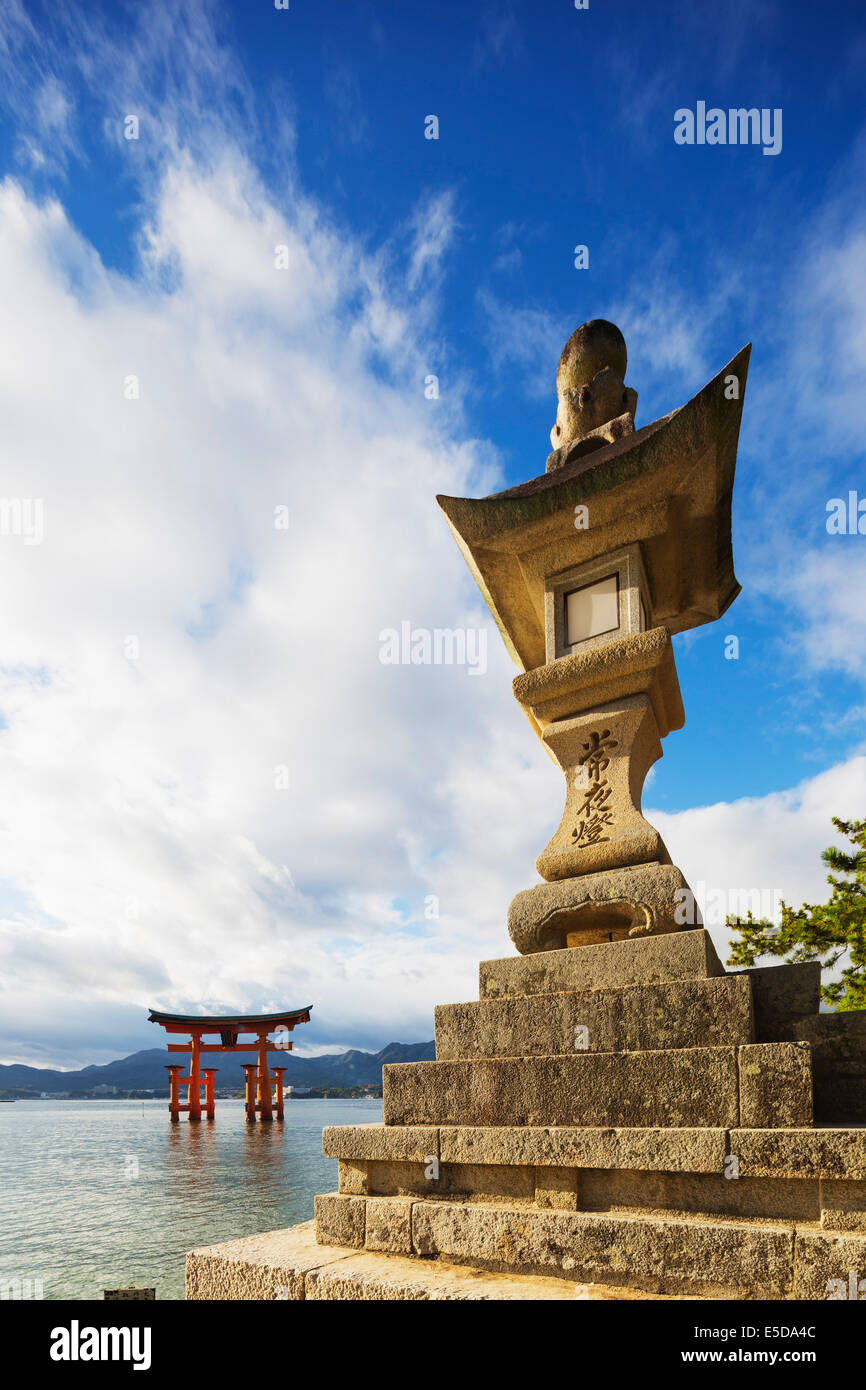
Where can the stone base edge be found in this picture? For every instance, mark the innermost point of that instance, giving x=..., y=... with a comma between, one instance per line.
x=682, y=1256
x=290, y=1266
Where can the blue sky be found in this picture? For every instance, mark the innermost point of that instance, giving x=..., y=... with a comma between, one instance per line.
x=140, y=792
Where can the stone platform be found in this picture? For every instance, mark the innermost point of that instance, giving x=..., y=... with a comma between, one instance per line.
x=622, y=1120
x=292, y=1265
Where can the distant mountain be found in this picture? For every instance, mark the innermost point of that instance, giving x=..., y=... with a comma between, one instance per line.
x=146, y=1070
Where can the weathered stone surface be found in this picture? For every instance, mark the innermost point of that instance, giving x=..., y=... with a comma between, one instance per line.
x=838, y=1042
x=716, y=1260
x=676, y=1014
x=844, y=1030
x=684, y=955
x=388, y=1179
x=600, y=700
x=290, y=1265
x=783, y=995
x=353, y=1177
x=631, y=732
x=594, y=676
x=837, y=1101
x=671, y=1150
x=775, y=1085
x=557, y=1187
x=376, y=1278
x=339, y=1219
x=722, y=1191
x=375, y=1177
x=700, y=1194
x=602, y=908
x=410, y=1143
x=653, y=1192
x=691, y=1087
x=514, y=1182
x=262, y=1267
x=786, y=1001
x=830, y=1266
x=843, y=1206
x=800, y=1153
x=388, y=1224
x=590, y=389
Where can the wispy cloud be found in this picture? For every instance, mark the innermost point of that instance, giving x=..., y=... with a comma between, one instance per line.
x=169, y=66
x=343, y=89
x=499, y=37
x=524, y=343
x=433, y=229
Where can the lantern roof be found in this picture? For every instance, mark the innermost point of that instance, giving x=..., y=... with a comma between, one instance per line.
x=666, y=486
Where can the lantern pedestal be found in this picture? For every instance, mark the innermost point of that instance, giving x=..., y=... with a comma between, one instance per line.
x=613, y=905
x=602, y=714
x=605, y=756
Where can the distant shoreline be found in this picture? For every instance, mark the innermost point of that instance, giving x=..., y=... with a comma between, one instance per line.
x=316, y=1093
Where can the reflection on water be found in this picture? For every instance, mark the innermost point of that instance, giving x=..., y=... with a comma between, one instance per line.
x=103, y=1194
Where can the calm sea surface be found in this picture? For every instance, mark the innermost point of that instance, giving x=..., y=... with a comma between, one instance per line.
x=97, y=1195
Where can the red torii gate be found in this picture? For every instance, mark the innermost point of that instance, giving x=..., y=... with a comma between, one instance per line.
x=259, y=1100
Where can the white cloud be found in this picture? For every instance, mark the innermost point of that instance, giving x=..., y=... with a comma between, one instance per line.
x=149, y=856
x=826, y=590
x=828, y=362
x=766, y=844
x=434, y=226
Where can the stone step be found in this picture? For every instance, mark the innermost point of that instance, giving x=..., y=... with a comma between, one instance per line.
x=706, y=1173
x=289, y=1265
x=680, y=1256
x=764, y=1085
x=683, y=955
x=838, y=1042
x=783, y=997
x=675, y=1014
x=668, y=1150
x=809, y=1175
x=802, y=1153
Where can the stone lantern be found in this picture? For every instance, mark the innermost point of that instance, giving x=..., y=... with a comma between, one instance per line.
x=588, y=570
x=579, y=1127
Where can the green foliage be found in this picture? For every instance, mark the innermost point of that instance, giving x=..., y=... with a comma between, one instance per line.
x=827, y=932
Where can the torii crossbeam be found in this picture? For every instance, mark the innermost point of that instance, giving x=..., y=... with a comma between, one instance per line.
x=259, y=1100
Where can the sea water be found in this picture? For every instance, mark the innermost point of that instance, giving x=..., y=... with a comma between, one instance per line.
x=105, y=1194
